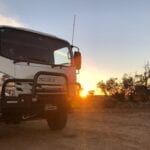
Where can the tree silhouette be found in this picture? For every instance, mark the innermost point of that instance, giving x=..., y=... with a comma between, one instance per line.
x=146, y=73
x=131, y=88
x=112, y=86
x=127, y=81
x=102, y=86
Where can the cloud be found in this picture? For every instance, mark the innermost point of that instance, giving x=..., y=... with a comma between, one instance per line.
x=10, y=21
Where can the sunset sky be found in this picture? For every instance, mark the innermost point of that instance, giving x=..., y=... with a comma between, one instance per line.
x=113, y=35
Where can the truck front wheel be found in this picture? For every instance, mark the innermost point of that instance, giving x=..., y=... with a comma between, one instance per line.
x=57, y=120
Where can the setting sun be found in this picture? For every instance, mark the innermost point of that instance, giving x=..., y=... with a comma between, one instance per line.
x=88, y=78
x=83, y=93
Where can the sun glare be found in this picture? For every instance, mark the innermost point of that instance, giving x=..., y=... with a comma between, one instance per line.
x=83, y=93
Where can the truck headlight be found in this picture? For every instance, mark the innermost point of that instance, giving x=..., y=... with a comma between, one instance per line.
x=10, y=90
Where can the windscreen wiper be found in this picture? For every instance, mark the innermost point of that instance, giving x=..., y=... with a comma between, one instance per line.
x=30, y=60
x=21, y=60
x=60, y=65
x=37, y=60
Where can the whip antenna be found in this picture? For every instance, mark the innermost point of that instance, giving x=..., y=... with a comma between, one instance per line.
x=74, y=21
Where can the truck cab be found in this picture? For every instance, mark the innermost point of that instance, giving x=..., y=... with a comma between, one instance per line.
x=38, y=76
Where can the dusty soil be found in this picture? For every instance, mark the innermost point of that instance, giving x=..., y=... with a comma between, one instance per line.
x=87, y=129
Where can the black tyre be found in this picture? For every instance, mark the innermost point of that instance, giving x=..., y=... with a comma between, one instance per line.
x=57, y=120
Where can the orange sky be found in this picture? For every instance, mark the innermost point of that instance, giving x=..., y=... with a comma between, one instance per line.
x=89, y=75
x=89, y=79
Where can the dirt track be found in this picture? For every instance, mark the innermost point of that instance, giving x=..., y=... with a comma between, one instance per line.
x=109, y=129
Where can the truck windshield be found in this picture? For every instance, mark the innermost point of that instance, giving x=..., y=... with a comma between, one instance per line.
x=21, y=45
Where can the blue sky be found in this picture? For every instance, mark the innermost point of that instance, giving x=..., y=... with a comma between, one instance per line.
x=113, y=35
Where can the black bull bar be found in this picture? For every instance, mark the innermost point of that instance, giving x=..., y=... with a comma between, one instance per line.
x=34, y=82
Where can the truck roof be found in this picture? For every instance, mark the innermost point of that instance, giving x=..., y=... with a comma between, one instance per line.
x=35, y=32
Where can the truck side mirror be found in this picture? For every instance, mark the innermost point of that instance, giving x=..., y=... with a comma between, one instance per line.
x=77, y=60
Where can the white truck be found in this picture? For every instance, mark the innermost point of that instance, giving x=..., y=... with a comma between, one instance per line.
x=38, y=76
